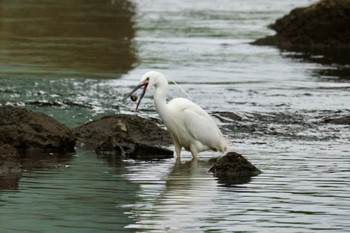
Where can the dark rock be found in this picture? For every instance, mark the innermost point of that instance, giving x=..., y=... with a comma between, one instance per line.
x=148, y=152
x=321, y=25
x=10, y=167
x=228, y=116
x=233, y=168
x=29, y=131
x=129, y=136
x=344, y=120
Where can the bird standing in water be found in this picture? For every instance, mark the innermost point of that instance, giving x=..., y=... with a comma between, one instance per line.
x=188, y=124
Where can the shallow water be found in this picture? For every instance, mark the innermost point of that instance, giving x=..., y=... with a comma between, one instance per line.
x=77, y=66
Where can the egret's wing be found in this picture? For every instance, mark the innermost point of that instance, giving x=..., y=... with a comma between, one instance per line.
x=190, y=122
x=200, y=125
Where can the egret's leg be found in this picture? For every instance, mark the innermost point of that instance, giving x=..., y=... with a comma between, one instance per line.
x=178, y=153
x=194, y=151
x=224, y=147
x=177, y=150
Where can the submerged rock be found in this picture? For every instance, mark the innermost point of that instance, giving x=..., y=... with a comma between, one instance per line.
x=29, y=131
x=228, y=116
x=233, y=168
x=322, y=25
x=10, y=167
x=129, y=136
x=344, y=120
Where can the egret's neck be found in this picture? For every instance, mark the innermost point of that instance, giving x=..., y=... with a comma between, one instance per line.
x=160, y=96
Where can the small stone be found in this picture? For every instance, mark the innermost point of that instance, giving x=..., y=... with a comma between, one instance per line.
x=233, y=168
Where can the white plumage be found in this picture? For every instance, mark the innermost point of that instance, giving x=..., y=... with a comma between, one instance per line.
x=188, y=124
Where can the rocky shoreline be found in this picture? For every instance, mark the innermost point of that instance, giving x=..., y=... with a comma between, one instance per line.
x=26, y=135
x=323, y=25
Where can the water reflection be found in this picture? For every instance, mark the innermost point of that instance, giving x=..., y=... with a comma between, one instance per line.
x=336, y=62
x=233, y=180
x=185, y=174
x=9, y=182
x=181, y=200
x=36, y=161
x=78, y=195
x=112, y=159
x=66, y=38
x=42, y=161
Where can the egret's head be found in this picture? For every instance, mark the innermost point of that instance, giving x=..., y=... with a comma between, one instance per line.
x=148, y=80
x=152, y=78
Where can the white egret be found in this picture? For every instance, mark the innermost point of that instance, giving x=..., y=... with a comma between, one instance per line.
x=188, y=124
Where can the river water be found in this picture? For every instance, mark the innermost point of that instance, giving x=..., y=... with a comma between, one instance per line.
x=75, y=60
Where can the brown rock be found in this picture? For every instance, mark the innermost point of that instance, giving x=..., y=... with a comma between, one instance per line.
x=129, y=136
x=344, y=120
x=228, y=116
x=321, y=25
x=29, y=131
x=233, y=168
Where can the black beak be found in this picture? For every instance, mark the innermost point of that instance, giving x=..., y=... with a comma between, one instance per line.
x=144, y=85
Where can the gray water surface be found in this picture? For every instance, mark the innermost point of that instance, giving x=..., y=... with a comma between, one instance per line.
x=75, y=60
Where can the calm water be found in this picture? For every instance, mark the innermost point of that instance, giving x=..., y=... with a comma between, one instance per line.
x=76, y=59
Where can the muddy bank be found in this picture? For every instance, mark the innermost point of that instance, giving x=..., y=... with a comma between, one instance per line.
x=322, y=25
x=129, y=136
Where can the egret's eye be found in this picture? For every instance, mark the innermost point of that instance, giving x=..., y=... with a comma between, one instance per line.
x=147, y=79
